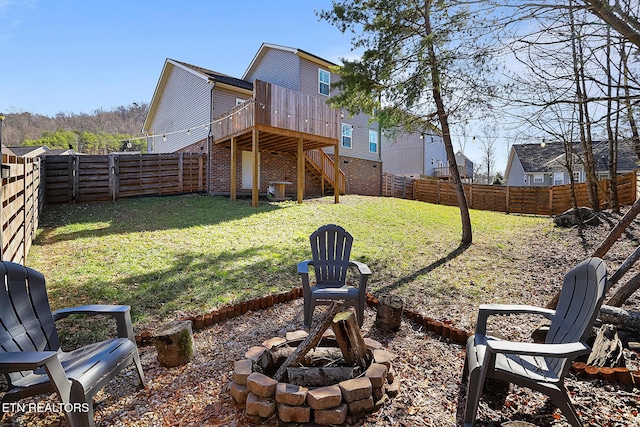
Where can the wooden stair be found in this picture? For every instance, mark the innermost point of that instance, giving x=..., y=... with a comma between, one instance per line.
x=322, y=166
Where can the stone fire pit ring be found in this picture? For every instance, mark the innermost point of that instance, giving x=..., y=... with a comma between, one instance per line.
x=264, y=398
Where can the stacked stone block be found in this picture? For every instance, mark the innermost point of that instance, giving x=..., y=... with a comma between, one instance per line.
x=264, y=397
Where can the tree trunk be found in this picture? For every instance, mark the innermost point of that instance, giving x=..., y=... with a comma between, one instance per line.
x=622, y=294
x=467, y=237
x=627, y=320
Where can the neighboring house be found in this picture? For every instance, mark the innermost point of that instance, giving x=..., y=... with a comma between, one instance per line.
x=419, y=155
x=29, y=151
x=545, y=164
x=277, y=107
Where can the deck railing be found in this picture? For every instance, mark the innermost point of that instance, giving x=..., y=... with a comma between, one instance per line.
x=279, y=108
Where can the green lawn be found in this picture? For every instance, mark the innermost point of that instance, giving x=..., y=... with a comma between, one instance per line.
x=190, y=254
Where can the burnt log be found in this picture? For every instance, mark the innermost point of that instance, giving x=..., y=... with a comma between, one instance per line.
x=349, y=339
x=321, y=376
x=314, y=337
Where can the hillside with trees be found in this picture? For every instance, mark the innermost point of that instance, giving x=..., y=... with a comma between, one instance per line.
x=99, y=132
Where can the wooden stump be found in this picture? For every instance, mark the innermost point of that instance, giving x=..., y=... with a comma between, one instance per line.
x=174, y=343
x=607, y=348
x=389, y=316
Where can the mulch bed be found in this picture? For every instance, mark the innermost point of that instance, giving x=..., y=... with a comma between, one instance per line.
x=429, y=367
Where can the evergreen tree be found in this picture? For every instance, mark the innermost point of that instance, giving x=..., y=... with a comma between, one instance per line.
x=423, y=61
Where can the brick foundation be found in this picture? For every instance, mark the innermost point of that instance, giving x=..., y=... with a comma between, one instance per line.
x=362, y=176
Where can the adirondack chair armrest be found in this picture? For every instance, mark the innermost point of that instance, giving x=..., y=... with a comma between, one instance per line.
x=303, y=266
x=16, y=361
x=487, y=310
x=362, y=267
x=534, y=349
x=120, y=312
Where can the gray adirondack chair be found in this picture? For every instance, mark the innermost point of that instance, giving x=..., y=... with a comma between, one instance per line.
x=541, y=367
x=30, y=354
x=330, y=250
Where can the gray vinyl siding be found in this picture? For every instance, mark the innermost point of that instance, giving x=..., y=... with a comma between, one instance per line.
x=309, y=77
x=224, y=100
x=183, y=92
x=278, y=67
x=516, y=173
x=434, y=149
x=403, y=154
x=360, y=138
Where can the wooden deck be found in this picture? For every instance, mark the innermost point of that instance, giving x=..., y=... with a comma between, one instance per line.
x=278, y=119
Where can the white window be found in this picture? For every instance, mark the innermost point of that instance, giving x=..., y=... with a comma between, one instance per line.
x=373, y=141
x=577, y=176
x=324, y=82
x=347, y=132
x=538, y=178
x=239, y=101
x=558, y=178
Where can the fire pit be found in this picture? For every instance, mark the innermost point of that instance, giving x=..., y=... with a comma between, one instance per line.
x=323, y=388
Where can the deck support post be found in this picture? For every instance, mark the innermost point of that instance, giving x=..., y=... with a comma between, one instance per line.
x=256, y=167
x=336, y=173
x=300, y=190
x=234, y=159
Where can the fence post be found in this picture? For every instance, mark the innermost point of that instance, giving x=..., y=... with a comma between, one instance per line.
x=180, y=172
x=200, y=172
x=551, y=200
x=506, y=208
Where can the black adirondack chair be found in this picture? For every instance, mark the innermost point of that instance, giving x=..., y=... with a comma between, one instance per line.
x=330, y=250
x=30, y=354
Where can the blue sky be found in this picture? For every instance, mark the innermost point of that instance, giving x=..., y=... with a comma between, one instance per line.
x=81, y=55
x=77, y=56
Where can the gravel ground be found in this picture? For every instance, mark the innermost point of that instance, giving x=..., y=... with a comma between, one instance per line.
x=429, y=367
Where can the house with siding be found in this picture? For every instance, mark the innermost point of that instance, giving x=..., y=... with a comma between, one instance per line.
x=272, y=124
x=421, y=155
x=545, y=164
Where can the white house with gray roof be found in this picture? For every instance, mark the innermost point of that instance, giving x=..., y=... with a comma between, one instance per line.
x=545, y=164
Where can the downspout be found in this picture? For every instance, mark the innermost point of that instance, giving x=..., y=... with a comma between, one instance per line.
x=212, y=83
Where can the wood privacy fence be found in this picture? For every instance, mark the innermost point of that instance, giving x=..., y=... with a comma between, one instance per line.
x=551, y=200
x=81, y=178
x=21, y=204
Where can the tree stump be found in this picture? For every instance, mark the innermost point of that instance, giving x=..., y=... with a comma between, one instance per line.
x=607, y=348
x=389, y=315
x=174, y=343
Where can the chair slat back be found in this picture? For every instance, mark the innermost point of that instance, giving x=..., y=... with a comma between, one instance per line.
x=580, y=300
x=330, y=250
x=26, y=322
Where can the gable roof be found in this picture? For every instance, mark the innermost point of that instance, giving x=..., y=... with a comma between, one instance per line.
x=551, y=158
x=203, y=73
x=301, y=53
x=28, y=150
x=214, y=75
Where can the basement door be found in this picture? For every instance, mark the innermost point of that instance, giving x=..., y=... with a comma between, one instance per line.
x=247, y=170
